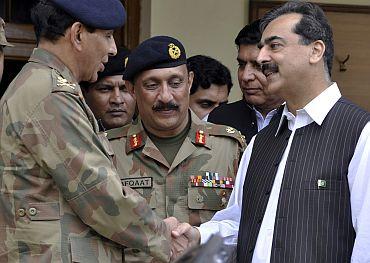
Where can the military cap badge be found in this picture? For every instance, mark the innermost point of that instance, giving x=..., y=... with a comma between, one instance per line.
x=174, y=51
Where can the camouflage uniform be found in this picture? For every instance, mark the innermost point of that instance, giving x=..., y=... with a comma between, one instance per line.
x=61, y=198
x=167, y=188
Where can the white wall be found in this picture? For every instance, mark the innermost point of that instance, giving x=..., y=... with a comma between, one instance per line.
x=206, y=27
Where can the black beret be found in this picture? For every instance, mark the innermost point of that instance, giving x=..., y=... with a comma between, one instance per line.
x=155, y=52
x=116, y=64
x=100, y=14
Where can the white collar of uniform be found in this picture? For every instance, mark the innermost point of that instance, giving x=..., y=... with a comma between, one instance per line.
x=319, y=107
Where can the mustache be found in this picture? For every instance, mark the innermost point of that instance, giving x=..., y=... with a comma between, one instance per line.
x=160, y=106
x=269, y=67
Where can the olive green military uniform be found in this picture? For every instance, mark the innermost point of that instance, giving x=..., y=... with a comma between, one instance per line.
x=168, y=188
x=60, y=198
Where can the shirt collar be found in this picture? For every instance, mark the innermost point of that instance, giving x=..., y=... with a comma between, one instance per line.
x=42, y=56
x=319, y=107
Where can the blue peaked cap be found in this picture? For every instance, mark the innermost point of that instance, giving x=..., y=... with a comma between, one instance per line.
x=100, y=14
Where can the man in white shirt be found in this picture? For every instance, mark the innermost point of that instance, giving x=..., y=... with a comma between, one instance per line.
x=303, y=188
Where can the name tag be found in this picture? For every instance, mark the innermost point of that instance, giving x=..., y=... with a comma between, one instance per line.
x=138, y=182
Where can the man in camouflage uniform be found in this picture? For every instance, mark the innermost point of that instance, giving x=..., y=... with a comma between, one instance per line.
x=184, y=167
x=61, y=199
x=3, y=43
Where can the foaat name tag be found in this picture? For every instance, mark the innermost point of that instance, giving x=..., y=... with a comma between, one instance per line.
x=138, y=182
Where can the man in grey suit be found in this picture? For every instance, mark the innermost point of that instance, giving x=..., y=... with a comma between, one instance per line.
x=303, y=187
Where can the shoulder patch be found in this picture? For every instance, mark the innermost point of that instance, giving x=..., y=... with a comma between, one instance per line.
x=60, y=84
x=226, y=131
x=117, y=132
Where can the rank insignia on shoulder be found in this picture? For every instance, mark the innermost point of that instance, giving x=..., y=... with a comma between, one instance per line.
x=62, y=82
x=135, y=141
x=211, y=180
x=200, y=137
x=230, y=130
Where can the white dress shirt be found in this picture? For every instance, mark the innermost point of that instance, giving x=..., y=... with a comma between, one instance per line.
x=205, y=118
x=262, y=122
x=226, y=222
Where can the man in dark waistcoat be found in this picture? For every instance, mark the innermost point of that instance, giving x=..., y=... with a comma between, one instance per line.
x=255, y=110
x=305, y=177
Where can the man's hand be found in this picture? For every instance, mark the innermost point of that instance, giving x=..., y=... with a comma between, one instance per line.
x=183, y=237
x=171, y=223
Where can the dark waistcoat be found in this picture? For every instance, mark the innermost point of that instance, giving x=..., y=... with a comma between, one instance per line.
x=313, y=218
x=239, y=115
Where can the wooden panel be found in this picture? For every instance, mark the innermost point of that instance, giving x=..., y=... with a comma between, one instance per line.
x=351, y=36
x=23, y=38
x=132, y=27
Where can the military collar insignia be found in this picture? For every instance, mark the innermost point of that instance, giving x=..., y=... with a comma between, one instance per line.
x=174, y=51
x=136, y=141
x=200, y=137
x=62, y=82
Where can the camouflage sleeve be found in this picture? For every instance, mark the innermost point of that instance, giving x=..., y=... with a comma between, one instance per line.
x=62, y=140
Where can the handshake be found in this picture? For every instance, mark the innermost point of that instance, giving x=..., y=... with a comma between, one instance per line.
x=185, y=245
x=183, y=237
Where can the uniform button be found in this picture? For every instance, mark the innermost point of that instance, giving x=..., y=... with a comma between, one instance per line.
x=21, y=212
x=200, y=199
x=223, y=202
x=32, y=211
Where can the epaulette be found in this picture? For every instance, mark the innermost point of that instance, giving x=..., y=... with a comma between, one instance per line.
x=60, y=84
x=227, y=131
x=117, y=133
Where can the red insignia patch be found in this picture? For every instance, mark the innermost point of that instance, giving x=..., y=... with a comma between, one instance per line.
x=135, y=141
x=200, y=137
